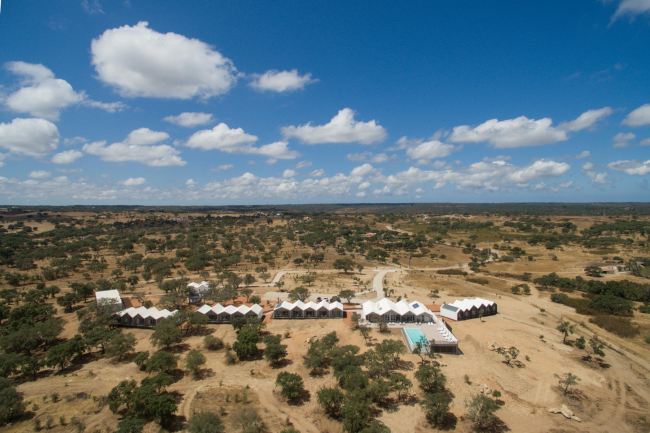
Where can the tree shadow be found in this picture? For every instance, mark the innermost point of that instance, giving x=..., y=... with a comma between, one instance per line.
x=405, y=365
x=204, y=373
x=448, y=422
x=177, y=374
x=176, y=424
x=281, y=363
x=304, y=397
x=319, y=372
x=178, y=348
x=496, y=426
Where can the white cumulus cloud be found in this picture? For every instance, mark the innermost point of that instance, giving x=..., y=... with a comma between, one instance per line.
x=522, y=131
x=43, y=95
x=281, y=81
x=589, y=169
x=32, y=137
x=235, y=140
x=190, y=120
x=370, y=157
x=288, y=173
x=138, y=146
x=621, y=139
x=222, y=138
x=40, y=174
x=222, y=167
x=632, y=168
x=586, y=120
x=638, y=117
x=145, y=136
x=67, y=157
x=133, y=181
x=430, y=150
x=138, y=61
x=343, y=128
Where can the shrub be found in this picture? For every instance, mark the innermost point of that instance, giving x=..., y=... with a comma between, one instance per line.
x=451, y=272
x=213, y=343
x=205, y=422
x=481, y=281
x=618, y=325
x=608, y=304
x=560, y=298
x=645, y=309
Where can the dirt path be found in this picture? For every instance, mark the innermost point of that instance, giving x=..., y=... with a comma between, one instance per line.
x=377, y=282
x=296, y=414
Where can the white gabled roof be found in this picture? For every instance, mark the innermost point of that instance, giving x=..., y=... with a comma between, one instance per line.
x=386, y=306
x=199, y=287
x=299, y=305
x=468, y=304
x=231, y=309
x=146, y=313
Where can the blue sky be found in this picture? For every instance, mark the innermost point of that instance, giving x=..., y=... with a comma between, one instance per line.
x=133, y=102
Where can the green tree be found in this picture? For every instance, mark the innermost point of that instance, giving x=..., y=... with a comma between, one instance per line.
x=194, y=361
x=435, y=407
x=566, y=328
x=593, y=271
x=166, y=334
x=356, y=317
x=344, y=264
x=331, y=400
x=131, y=425
x=246, y=344
x=205, y=422
x=299, y=294
x=247, y=293
x=567, y=380
x=11, y=401
x=249, y=279
x=347, y=294
x=481, y=410
x=430, y=378
x=161, y=362
x=275, y=352
x=400, y=383
x=291, y=385
x=356, y=411
x=120, y=344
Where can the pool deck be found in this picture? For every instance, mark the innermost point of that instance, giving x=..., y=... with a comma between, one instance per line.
x=429, y=331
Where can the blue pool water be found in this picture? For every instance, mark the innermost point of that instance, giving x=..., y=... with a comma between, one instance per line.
x=414, y=334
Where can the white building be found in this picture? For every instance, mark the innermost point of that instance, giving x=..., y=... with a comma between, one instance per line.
x=221, y=314
x=198, y=289
x=142, y=316
x=401, y=311
x=109, y=300
x=308, y=310
x=468, y=309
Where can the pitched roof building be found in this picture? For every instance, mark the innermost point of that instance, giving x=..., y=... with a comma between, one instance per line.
x=307, y=310
x=401, y=311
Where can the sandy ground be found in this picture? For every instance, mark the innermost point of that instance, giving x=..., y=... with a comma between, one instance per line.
x=613, y=395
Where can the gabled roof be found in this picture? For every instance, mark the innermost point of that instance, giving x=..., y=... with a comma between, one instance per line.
x=230, y=309
x=468, y=304
x=299, y=305
x=146, y=313
x=386, y=306
x=199, y=287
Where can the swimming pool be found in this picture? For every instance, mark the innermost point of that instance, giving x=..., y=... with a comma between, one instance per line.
x=413, y=336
